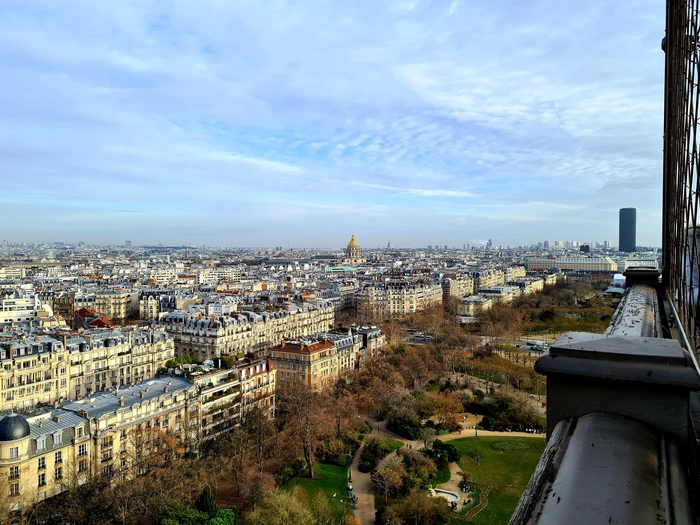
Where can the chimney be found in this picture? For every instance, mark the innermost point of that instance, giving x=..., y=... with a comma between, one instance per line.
x=165, y=388
x=41, y=423
x=56, y=419
x=121, y=401
x=141, y=394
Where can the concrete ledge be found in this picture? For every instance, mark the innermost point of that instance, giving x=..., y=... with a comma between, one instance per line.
x=605, y=468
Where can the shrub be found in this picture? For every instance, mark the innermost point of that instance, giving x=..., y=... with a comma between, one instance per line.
x=365, y=466
x=406, y=428
x=299, y=466
x=284, y=477
x=443, y=453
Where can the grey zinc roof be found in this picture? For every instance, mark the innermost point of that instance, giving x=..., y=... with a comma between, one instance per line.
x=103, y=403
x=66, y=419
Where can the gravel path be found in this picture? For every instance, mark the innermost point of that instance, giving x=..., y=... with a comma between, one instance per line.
x=363, y=490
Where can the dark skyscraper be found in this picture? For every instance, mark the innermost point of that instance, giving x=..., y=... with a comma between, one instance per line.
x=628, y=229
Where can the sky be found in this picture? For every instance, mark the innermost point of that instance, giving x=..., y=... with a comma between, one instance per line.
x=295, y=123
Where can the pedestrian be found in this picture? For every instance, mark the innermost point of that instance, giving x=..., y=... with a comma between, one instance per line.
x=478, y=460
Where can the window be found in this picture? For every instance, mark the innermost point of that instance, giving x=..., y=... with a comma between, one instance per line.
x=14, y=473
x=82, y=450
x=82, y=465
x=57, y=439
x=14, y=489
x=58, y=457
x=14, y=452
x=59, y=473
x=42, y=479
x=41, y=443
x=79, y=432
x=41, y=464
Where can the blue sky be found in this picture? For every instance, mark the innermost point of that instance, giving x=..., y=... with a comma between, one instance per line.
x=294, y=123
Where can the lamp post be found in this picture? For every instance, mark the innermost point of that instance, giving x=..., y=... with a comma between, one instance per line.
x=476, y=424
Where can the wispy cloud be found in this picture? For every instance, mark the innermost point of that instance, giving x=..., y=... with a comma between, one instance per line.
x=466, y=118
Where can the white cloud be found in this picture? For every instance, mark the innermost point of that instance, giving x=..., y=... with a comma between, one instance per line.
x=495, y=109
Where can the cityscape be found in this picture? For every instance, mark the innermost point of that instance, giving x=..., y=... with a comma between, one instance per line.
x=402, y=262
x=108, y=350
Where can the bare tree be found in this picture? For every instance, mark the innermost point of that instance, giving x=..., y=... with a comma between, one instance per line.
x=260, y=430
x=305, y=417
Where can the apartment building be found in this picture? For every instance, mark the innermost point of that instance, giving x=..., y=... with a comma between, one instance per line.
x=118, y=305
x=501, y=294
x=311, y=363
x=474, y=304
x=528, y=285
x=158, y=416
x=245, y=331
x=395, y=300
x=258, y=384
x=346, y=291
x=220, y=396
x=488, y=277
x=47, y=368
x=64, y=306
x=40, y=456
x=33, y=370
x=349, y=350
x=457, y=285
x=585, y=264
x=19, y=307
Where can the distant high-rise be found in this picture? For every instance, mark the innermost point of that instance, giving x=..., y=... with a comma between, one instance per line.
x=628, y=229
x=127, y=244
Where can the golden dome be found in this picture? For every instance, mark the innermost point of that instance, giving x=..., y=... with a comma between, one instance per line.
x=353, y=243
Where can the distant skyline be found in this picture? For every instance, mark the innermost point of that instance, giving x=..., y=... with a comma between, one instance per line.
x=293, y=123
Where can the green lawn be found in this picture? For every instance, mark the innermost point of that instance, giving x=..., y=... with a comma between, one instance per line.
x=330, y=479
x=507, y=471
x=393, y=444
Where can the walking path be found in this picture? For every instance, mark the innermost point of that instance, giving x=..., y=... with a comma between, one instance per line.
x=363, y=484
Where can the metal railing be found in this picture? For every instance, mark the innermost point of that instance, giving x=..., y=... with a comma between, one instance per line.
x=681, y=166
